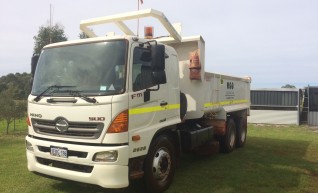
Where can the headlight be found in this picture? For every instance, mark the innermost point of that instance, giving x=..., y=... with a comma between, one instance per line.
x=106, y=156
x=28, y=145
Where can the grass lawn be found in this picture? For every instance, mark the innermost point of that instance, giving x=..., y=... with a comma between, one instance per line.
x=275, y=159
x=17, y=127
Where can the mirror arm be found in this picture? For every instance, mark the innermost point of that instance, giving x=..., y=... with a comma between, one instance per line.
x=147, y=93
x=156, y=89
x=148, y=42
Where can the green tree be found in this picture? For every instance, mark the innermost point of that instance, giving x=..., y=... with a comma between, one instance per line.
x=19, y=111
x=7, y=109
x=14, y=90
x=288, y=86
x=18, y=83
x=82, y=35
x=47, y=35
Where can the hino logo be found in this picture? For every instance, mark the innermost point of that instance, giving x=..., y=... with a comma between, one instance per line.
x=61, y=125
x=36, y=115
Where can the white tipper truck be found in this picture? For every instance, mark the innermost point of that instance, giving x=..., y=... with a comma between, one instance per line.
x=104, y=110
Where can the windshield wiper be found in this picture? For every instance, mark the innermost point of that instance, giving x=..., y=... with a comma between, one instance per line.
x=53, y=88
x=77, y=93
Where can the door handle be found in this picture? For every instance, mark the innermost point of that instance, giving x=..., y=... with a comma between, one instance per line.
x=162, y=120
x=164, y=103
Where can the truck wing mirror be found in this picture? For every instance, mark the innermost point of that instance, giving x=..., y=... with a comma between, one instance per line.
x=158, y=57
x=34, y=62
x=145, y=57
x=159, y=77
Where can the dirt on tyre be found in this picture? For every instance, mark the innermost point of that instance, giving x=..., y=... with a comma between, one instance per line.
x=228, y=141
x=241, y=132
x=160, y=165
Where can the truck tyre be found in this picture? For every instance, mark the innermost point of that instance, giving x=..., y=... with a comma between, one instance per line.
x=227, y=141
x=183, y=105
x=160, y=165
x=241, y=132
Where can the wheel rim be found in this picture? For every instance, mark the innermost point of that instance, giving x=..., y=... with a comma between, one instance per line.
x=161, y=165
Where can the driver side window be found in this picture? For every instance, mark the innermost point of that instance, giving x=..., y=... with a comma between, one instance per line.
x=141, y=69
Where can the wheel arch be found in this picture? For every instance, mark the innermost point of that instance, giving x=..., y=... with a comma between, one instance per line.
x=173, y=135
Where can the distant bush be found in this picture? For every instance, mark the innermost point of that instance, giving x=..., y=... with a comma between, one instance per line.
x=14, y=90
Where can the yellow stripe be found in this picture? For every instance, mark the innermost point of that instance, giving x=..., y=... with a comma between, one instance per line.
x=153, y=109
x=173, y=106
x=136, y=111
x=223, y=103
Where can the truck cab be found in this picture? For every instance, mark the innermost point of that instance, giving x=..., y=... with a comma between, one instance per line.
x=93, y=100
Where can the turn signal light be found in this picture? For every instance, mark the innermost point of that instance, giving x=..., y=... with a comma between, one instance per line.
x=119, y=124
x=28, y=121
x=136, y=138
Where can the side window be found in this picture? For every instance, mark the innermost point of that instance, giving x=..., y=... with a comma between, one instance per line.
x=141, y=69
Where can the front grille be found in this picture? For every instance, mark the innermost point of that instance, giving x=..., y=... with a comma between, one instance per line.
x=70, y=153
x=65, y=165
x=81, y=130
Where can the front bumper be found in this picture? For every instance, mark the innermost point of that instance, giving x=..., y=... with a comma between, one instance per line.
x=79, y=166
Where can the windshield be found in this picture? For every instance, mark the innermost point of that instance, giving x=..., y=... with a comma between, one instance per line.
x=93, y=69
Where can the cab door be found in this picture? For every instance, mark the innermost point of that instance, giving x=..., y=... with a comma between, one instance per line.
x=147, y=102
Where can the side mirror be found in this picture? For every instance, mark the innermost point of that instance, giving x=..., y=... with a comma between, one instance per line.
x=146, y=57
x=159, y=77
x=158, y=64
x=158, y=57
x=34, y=62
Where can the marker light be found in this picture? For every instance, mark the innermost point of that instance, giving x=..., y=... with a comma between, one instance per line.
x=119, y=124
x=136, y=138
x=148, y=32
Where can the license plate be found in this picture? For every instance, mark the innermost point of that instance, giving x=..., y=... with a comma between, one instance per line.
x=59, y=152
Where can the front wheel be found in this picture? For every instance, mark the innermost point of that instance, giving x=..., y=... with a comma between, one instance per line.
x=160, y=165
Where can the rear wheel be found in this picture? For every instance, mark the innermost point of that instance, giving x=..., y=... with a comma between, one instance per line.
x=227, y=141
x=160, y=165
x=241, y=132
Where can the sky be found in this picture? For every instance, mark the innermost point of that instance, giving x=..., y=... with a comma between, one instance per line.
x=273, y=41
